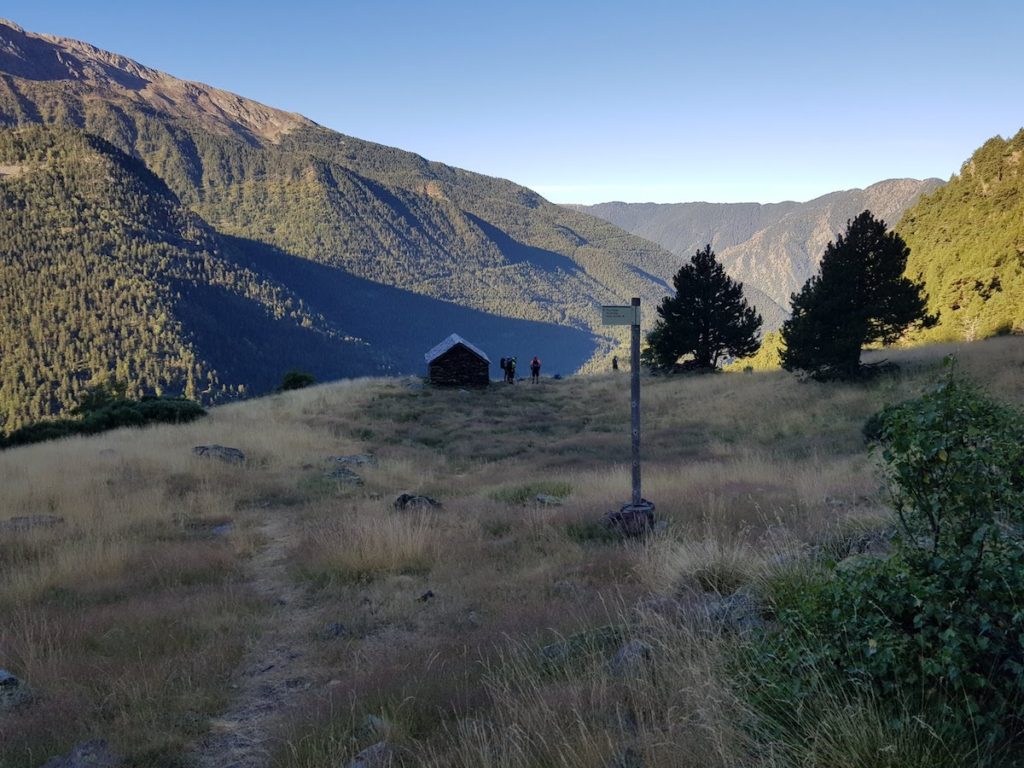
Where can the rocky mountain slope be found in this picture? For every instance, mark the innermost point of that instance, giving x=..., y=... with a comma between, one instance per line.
x=772, y=249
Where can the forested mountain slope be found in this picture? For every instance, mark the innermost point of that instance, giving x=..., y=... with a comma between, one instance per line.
x=398, y=251
x=103, y=271
x=379, y=213
x=967, y=241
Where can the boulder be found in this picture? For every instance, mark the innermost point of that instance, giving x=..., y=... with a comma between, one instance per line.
x=740, y=612
x=13, y=692
x=88, y=754
x=222, y=452
x=416, y=501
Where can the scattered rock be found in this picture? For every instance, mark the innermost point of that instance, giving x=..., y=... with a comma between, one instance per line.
x=567, y=588
x=222, y=452
x=633, y=656
x=426, y=596
x=356, y=459
x=374, y=756
x=335, y=629
x=740, y=612
x=546, y=500
x=28, y=522
x=88, y=754
x=416, y=501
x=473, y=619
x=343, y=475
x=13, y=692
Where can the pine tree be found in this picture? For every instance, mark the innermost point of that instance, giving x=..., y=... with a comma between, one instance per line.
x=859, y=297
x=707, y=318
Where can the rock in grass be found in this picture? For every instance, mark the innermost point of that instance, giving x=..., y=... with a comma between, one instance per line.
x=375, y=756
x=88, y=754
x=416, y=501
x=740, y=612
x=28, y=522
x=343, y=475
x=356, y=459
x=631, y=657
x=13, y=692
x=335, y=629
x=546, y=500
x=222, y=452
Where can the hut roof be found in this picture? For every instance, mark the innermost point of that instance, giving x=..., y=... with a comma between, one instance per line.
x=450, y=342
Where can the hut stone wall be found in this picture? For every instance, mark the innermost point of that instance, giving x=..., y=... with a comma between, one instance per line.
x=459, y=367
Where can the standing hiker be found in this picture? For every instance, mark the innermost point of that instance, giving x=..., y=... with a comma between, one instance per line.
x=510, y=370
x=535, y=370
x=615, y=362
x=504, y=370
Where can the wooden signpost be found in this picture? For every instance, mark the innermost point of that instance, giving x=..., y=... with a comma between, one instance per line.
x=637, y=516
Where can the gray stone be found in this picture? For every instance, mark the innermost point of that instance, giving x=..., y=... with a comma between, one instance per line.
x=740, y=612
x=335, y=629
x=630, y=658
x=88, y=754
x=222, y=452
x=343, y=475
x=356, y=460
x=416, y=501
x=13, y=692
x=630, y=521
x=28, y=522
x=375, y=756
x=546, y=500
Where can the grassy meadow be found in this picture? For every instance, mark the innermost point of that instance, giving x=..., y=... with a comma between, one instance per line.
x=189, y=610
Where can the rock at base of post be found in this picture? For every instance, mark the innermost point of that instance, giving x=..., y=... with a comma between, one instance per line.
x=632, y=520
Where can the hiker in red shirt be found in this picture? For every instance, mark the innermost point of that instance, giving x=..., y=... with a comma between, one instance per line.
x=535, y=369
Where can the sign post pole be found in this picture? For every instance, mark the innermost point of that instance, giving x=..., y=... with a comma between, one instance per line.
x=637, y=517
x=634, y=400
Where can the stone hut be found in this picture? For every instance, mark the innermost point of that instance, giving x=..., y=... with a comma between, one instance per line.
x=457, y=363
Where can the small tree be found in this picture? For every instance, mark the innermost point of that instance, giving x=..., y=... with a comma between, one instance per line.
x=860, y=296
x=296, y=379
x=707, y=317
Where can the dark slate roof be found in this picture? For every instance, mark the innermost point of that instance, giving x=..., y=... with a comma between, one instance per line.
x=450, y=342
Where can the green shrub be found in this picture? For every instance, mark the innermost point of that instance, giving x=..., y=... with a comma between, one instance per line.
x=296, y=379
x=100, y=412
x=940, y=620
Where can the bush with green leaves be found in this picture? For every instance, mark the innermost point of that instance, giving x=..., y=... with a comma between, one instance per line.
x=104, y=408
x=296, y=379
x=940, y=620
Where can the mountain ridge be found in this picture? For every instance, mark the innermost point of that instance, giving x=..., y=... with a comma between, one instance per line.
x=773, y=248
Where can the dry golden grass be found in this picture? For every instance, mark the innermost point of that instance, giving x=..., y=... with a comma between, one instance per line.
x=130, y=616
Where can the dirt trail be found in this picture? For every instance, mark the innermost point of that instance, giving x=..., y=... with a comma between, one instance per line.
x=275, y=673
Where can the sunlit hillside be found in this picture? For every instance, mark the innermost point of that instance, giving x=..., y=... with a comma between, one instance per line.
x=282, y=612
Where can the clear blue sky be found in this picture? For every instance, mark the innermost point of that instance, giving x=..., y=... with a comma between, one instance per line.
x=591, y=101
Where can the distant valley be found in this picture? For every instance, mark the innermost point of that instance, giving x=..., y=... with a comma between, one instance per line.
x=772, y=248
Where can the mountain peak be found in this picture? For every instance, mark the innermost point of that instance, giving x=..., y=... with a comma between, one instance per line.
x=48, y=58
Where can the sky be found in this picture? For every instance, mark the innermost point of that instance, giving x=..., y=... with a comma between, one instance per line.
x=585, y=102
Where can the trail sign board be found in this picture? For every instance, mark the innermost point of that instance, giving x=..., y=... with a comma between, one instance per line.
x=615, y=315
